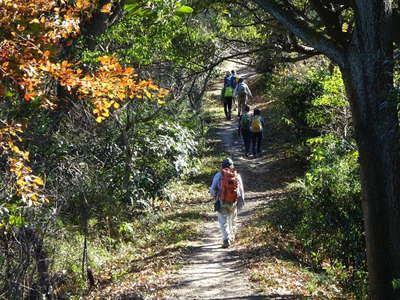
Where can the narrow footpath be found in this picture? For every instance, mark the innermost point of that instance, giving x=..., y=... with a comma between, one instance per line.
x=214, y=273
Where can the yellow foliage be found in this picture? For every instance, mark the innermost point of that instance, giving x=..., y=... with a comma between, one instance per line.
x=27, y=185
x=106, y=8
x=28, y=60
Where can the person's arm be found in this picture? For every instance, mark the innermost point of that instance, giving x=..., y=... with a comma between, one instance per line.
x=235, y=92
x=215, y=184
x=241, y=203
x=249, y=92
x=241, y=189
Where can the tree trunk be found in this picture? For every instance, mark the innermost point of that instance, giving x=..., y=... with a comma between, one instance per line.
x=368, y=79
x=367, y=69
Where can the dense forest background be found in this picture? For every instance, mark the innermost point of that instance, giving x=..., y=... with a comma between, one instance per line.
x=104, y=130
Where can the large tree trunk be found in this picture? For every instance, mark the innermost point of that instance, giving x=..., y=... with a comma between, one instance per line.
x=368, y=76
x=367, y=68
x=377, y=135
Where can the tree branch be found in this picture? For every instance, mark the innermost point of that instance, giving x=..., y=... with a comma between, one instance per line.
x=329, y=17
x=303, y=30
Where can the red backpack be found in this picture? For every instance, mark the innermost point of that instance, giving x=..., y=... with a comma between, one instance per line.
x=229, y=185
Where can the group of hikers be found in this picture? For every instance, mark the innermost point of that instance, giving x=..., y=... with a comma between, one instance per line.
x=250, y=125
x=227, y=184
x=234, y=88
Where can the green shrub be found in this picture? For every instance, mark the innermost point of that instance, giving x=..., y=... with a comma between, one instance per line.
x=298, y=102
x=331, y=227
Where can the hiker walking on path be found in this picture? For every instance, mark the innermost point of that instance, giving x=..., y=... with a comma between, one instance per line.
x=227, y=78
x=244, y=129
x=233, y=80
x=227, y=95
x=227, y=189
x=242, y=92
x=256, y=129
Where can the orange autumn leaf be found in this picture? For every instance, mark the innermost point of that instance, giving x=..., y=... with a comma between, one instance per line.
x=27, y=96
x=25, y=59
x=106, y=8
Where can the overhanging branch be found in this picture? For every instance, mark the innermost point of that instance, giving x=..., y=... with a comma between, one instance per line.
x=303, y=30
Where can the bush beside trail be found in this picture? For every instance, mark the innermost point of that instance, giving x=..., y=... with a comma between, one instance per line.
x=322, y=212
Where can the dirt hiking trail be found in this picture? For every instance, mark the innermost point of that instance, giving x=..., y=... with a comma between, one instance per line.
x=214, y=273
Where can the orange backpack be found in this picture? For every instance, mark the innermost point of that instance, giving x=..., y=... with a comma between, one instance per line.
x=229, y=185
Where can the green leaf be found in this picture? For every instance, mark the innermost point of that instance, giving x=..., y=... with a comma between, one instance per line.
x=184, y=9
x=130, y=7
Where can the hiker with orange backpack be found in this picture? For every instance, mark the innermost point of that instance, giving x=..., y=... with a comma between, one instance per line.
x=227, y=189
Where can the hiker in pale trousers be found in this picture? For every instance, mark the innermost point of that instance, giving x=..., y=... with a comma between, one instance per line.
x=227, y=211
x=242, y=93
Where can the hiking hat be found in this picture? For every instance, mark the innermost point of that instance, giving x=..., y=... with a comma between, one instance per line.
x=227, y=163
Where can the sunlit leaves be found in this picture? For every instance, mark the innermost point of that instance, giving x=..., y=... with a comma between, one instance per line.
x=106, y=8
x=28, y=186
x=34, y=33
x=106, y=88
x=184, y=9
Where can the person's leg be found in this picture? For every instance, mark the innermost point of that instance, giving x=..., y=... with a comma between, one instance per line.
x=226, y=107
x=246, y=140
x=223, y=224
x=253, y=143
x=245, y=100
x=232, y=224
x=241, y=101
x=259, y=139
x=230, y=218
x=229, y=104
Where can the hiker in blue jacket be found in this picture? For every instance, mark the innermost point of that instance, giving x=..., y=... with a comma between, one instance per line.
x=233, y=79
x=227, y=211
x=227, y=78
x=227, y=96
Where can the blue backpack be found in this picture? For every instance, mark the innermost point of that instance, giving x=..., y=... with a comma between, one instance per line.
x=233, y=81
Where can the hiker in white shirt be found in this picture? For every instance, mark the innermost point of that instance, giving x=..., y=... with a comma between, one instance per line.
x=242, y=93
x=229, y=197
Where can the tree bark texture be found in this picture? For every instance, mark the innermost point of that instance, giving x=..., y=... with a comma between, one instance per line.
x=367, y=69
x=368, y=76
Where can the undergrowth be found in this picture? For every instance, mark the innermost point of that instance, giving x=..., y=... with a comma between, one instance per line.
x=133, y=258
